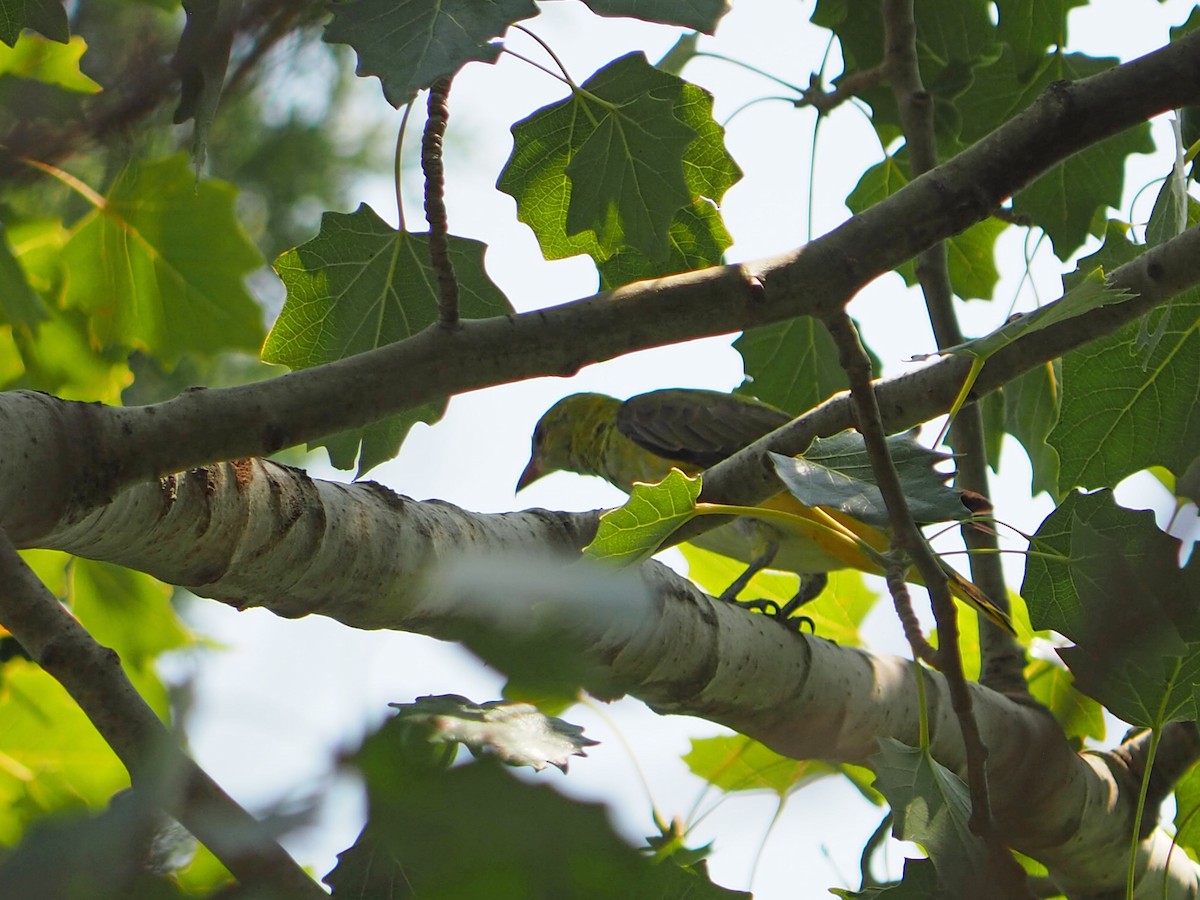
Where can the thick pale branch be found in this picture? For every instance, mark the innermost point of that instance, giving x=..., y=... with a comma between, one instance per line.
x=260, y=533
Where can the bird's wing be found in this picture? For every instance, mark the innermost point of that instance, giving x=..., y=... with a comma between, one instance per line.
x=694, y=426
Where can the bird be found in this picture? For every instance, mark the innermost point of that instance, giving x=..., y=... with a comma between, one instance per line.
x=643, y=438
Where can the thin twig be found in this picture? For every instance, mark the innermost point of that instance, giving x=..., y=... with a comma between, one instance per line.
x=1003, y=660
x=158, y=769
x=921, y=648
x=435, y=202
x=907, y=538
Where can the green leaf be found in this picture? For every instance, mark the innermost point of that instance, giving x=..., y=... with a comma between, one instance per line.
x=127, y=611
x=1031, y=404
x=1077, y=714
x=1175, y=210
x=1128, y=404
x=733, y=763
x=410, y=44
x=837, y=613
x=687, y=161
x=1029, y=27
x=201, y=61
x=1066, y=199
x=50, y=62
x=19, y=305
x=358, y=285
x=970, y=255
x=518, y=734
x=46, y=16
x=627, y=175
x=122, y=852
x=697, y=238
x=919, y=882
x=54, y=757
x=524, y=840
x=792, y=365
x=634, y=532
x=702, y=15
x=836, y=472
x=1187, y=812
x=953, y=39
x=1141, y=659
x=160, y=265
x=1054, y=573
x=932, y=807
x=62, y=359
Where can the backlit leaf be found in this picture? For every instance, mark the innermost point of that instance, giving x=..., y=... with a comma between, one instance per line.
x=160, y=266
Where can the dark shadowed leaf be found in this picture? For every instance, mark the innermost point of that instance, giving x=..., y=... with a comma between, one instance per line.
x=701, y=15
x=411, y=43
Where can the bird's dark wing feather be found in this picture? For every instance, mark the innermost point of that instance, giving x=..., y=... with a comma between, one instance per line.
x=696, y=426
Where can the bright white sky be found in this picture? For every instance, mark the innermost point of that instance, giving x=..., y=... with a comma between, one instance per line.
x=272, y=709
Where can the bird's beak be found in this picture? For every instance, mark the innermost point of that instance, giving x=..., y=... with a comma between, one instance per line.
x=532, y=473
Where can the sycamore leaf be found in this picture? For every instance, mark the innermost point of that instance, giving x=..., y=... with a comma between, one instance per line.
x=410, y=44
x=642, y=110
x=124, y=851
x=50, y=62
x=54, y=759
x=47, y=16
x=733, y=763
x=932, y=807
x=518, y=734
x=159, y=265
x=361, y=284
x=1129, y=398
x=1187, y=820
x=201, y=60
x=835, y=472
x=634, y=532
x=919, y=882
x=702, y=15
x=697, y=237
x=513, y=840
x=970, y=255
x=1089, y=557
x=1031, y=405
x=626, y=182
x=792, y=365
x=19, y=304
x=1029, y=27
x=60, y=357
x=1063, y=201
x=1077, y=714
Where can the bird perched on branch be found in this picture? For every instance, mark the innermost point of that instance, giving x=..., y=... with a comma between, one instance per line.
x=642, y=439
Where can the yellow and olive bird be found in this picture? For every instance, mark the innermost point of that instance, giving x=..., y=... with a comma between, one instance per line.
x=643, y=438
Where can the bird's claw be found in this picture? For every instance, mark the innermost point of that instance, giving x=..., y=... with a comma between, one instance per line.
x=781, y=614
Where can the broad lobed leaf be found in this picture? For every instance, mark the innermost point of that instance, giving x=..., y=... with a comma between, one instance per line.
x=361, y=284
x=622, y=166
x=410, y=44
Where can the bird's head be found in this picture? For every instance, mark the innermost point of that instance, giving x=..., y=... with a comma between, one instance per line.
x=566, y=436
